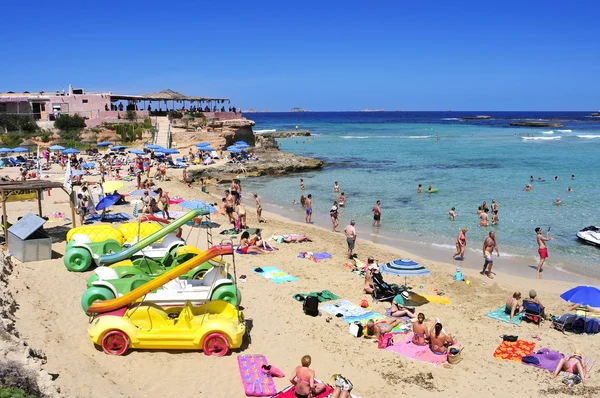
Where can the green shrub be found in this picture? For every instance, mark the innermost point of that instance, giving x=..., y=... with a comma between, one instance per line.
x=14, y=392
x=175, y=115
x=131, y=116
x=20, y=123
x=12, y=138
x=69, y=123
x=45, y=137
x=13, y=374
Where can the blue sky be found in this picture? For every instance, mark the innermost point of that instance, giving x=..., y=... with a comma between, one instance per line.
x=325, y=55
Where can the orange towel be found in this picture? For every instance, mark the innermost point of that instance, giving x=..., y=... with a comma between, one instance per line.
x=514, y=351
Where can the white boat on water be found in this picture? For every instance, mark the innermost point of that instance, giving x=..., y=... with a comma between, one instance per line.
x=590, y=235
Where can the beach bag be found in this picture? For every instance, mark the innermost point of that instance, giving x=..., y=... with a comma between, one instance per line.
x=337, y=380
x=579, y=325
x=356, y=329
x=454, y=355
x=385, y=340
x=592, y=326
x=510, y=338
x=311, y=306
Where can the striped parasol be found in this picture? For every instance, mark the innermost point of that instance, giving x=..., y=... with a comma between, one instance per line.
x=405, y=268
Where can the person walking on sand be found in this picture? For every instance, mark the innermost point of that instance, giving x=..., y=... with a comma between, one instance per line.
x=461, y=244
x=377, y=214
x=258, y=209
x=333, y=213
x=542, y=249
x=350, y=232
x=308, y=207
x=489, y=245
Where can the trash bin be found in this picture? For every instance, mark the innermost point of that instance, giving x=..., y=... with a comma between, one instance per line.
x=27, y=241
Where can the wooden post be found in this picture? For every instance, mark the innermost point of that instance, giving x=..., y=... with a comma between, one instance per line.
x=4, y=219
x=39, y=195
x=73, y=212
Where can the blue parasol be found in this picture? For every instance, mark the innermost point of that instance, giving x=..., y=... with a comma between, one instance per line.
x=77, y=172
x=140, y=192
x=197, y=204
x=107, y=201
x=153, y=146
x=234, y=149
x=105, y=143
x=5, y=150
x=167, y=151
x=583, y=295
x=205, y=149
x=203, y=143
x=137, y=152
x=70, y=151
x=20, y=149
x=241, y=144
x=57, y=148
x=118, y=147
x=405, y=268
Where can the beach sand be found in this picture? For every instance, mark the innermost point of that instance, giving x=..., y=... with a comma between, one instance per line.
x=50, y=318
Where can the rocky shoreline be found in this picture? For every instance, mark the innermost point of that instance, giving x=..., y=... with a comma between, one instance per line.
x=537, y=124
x=286, y=134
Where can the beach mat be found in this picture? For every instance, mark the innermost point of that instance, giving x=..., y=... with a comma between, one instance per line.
x=323, y=296
x=288, y=392
x=407, y=349
x=275, y=275
x=315, y=256
x=350, y=312
x=256, y=383
x=502, y=316
x=547, y=359
x=514, y=351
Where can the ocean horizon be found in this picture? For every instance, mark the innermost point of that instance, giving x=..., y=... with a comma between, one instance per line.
x=385, y=155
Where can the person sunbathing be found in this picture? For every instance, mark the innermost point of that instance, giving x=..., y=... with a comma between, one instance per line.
x=572, y=364
x=438, y=340
x=585, y=308
x=421, y=334
x=304, y=380
x=296, y=238
x=376, y=329
x=245, y=246
x=512, y=306
x=258, y=240
x=399, y=306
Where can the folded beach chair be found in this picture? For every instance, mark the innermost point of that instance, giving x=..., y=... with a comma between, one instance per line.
x=533, y=312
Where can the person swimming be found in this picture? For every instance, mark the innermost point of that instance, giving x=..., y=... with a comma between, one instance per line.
x=420, y=189
x=342, y=200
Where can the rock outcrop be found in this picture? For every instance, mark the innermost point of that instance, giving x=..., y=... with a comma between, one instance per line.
x=219, y=133
x=536, y=124
x=478, y=117
x=286, y=134
x=270, y=163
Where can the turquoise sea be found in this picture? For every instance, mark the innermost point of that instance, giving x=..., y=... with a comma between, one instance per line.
x=385, y=155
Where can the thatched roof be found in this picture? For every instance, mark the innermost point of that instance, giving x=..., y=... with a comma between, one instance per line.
x=167, y=94
x=27, y=143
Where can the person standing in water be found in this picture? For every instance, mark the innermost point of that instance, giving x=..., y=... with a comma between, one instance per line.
x=489, y=245
x=308, y=207
x=342, y=200
x=258, y=209
x=542, y=249
x=452, y=214
x=377, y=214
x=301, y=183
x=336, y=187
x=333, y=213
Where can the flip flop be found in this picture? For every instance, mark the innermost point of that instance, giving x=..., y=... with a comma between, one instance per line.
x=537, y=338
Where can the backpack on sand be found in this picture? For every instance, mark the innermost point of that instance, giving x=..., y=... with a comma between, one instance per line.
x=311, y=306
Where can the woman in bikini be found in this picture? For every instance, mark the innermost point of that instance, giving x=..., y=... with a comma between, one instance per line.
x=258, y=209
x=572, y=364
x=438, y=340
x=421, y=334
x=376, y=329
x=461, y=244
x=304, y=380
x=241, y=215
x=333, y=213
x=245, y=246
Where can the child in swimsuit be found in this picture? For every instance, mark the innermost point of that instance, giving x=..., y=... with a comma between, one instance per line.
x=420, y=331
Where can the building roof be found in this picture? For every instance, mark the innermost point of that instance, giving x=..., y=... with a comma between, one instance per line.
x=165, y=95
x=29, y=184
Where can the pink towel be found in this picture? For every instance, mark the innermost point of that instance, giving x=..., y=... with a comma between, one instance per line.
x=288, y=392
x=406, y=348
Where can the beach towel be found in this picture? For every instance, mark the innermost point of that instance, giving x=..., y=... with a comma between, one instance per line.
x=316, y=256
x=275, y=275
x=111, y=217
x=176, y=201
x=444, y=300
x=407, y=349
x=256, y=382
x=230, y=231
x=502, y=316
x=546, y=359
x=322, y=296
x=514, y=351
x=288, y=392
x=350, y=312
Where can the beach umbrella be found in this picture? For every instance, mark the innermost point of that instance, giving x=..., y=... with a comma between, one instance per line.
x=583, y=295
x=111, y=186
x=104, y=143
x=153, y=146
x=240, y=144
x=70, y=151
x=405, y=268
x=205, y=149
x=5, y=150
x=19, y=149
x=57, y=148
x=118, y=147
x=107, y=201
x=77, y=173
x=197, y=204
x=203, y=143
x=167, y=151
x=137, y=152
x=234, y=149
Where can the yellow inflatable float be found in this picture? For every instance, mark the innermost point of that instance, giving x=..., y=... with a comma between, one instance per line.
x=127, y=232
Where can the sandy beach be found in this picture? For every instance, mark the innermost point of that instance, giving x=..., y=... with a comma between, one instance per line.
x=50, y=318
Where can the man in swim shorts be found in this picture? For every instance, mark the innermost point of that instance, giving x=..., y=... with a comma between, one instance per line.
x=229, y=202
x=542, y=249
x=377, y=214
x=489, y=245
x=308, y=208
x=350, y=232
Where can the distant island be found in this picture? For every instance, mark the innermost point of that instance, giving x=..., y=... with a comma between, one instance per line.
x=299, y=110
x=478, y=117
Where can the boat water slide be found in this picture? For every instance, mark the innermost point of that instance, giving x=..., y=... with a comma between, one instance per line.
x=150, y=239
x=100, y=307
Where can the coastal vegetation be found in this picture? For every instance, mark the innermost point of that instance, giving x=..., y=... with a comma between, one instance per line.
x=16, y=128
x=69, y=126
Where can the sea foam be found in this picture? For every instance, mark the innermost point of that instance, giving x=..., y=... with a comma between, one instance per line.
x=589, y=136
x=548, y=132
x=542, y=138
x=565, y=131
